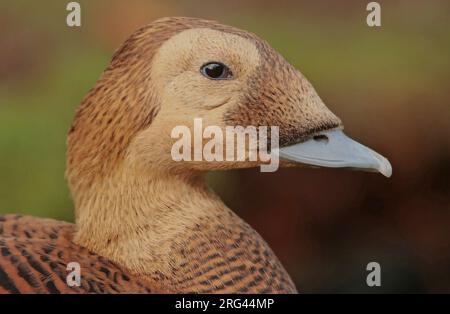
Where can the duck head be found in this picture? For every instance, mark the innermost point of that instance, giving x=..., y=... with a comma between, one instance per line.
x=177, y=69
x=134, y=203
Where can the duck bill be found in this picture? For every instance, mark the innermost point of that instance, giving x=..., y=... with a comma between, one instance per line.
x=336, y=150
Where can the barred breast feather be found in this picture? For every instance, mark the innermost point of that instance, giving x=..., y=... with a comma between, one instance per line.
x=35, y=252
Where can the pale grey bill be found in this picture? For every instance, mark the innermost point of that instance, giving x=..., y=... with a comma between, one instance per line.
x=335, y=149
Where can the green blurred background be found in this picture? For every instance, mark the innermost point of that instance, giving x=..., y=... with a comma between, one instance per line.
x=390, y=86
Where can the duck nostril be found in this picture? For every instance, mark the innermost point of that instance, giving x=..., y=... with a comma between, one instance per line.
x=321, y=138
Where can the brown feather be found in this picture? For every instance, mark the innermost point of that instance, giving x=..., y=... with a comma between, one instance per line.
x=34, y=254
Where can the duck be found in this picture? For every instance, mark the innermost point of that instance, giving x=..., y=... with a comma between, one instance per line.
x=145, y=223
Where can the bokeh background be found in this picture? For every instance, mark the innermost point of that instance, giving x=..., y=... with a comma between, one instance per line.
x=390, y=85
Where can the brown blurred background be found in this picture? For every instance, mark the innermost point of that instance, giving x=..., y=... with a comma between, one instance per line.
x=390, y=86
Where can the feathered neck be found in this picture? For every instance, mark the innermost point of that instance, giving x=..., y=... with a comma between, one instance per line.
x=136, y=219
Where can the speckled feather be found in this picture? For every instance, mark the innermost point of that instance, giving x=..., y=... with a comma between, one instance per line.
x=34, y=254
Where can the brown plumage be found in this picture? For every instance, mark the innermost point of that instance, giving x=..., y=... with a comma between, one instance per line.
x=145, y=223
x=35, y=253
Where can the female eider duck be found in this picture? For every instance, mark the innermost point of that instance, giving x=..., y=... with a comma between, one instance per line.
x=146, y=223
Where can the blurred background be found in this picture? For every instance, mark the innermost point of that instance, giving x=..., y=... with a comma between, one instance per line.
x=390, y=86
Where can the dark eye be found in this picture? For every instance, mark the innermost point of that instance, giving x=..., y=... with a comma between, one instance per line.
x=216, y=71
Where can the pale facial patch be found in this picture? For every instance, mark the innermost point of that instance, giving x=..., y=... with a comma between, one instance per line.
x=180, y=58
x=185, y=93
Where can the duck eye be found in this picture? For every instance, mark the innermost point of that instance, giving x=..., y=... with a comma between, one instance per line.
x=216, y=71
